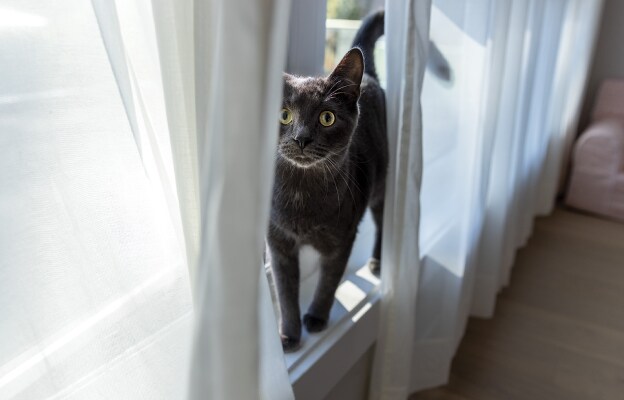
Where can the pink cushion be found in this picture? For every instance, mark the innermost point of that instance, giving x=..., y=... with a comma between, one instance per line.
x=597, y=179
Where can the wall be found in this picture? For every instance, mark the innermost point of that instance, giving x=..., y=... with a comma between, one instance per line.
x=354, y=385
x=609, y=56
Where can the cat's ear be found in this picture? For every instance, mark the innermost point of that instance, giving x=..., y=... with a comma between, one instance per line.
x=350, y=69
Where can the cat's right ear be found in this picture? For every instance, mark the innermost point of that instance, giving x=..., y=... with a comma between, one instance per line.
x=350, y=69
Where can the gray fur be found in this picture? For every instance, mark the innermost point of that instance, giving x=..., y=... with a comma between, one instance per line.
x=322, y=190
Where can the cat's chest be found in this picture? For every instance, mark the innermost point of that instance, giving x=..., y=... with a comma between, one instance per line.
x=308, y=215
x=304, y=209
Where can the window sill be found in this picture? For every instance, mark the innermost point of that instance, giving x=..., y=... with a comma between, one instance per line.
x=354, y=322
x=327, y=356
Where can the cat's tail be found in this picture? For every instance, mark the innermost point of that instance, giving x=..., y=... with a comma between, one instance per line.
x=371, y=29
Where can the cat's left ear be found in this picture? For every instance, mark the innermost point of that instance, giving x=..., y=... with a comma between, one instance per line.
x=350, y=69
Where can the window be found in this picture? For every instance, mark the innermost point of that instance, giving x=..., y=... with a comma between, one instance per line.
x=343, y=20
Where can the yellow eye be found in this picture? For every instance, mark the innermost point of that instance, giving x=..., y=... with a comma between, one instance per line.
x=286, y=116
x=327, y=118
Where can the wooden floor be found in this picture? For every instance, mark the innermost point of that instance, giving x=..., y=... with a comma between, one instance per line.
x=558, y=331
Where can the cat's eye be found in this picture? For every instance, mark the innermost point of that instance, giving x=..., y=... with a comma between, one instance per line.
x=286, y=116
x=327, y=118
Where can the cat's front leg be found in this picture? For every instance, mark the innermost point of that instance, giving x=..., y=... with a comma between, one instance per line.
x=332, y=269
x=285, y=268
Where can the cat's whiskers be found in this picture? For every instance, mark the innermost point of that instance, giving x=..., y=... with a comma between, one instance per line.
x=341, y=174
x=335, y=185
x=318, y=155
x=327, y=159
x=352, y=180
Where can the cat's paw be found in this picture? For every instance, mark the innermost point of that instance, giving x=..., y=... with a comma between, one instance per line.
x=314, y=324
x=374, y=266
x=290, y=344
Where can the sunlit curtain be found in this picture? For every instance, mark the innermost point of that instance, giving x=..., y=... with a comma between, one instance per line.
x=137, y=150
x=407, y=42
x=495, y=138
x=95, y=300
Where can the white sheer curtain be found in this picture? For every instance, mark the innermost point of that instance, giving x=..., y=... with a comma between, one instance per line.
x=136, y=151
x=137, y=132
x=95, y=295
x=495, y=138
x=407, y=41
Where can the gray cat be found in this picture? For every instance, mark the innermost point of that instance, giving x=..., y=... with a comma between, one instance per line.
x=331, y=164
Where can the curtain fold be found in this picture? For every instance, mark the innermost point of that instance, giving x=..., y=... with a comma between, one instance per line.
x=95, y=301
x=495, y=140
x=173, y=26
x=513, y=203
x=238, y=98
x=159, y=169
x=407, y=42
x=222, y=82
x=574, y=59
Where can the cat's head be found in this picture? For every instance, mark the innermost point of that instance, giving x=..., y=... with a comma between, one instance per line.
x=319, y=115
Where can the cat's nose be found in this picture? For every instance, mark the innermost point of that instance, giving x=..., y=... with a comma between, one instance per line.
x=302, y=141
